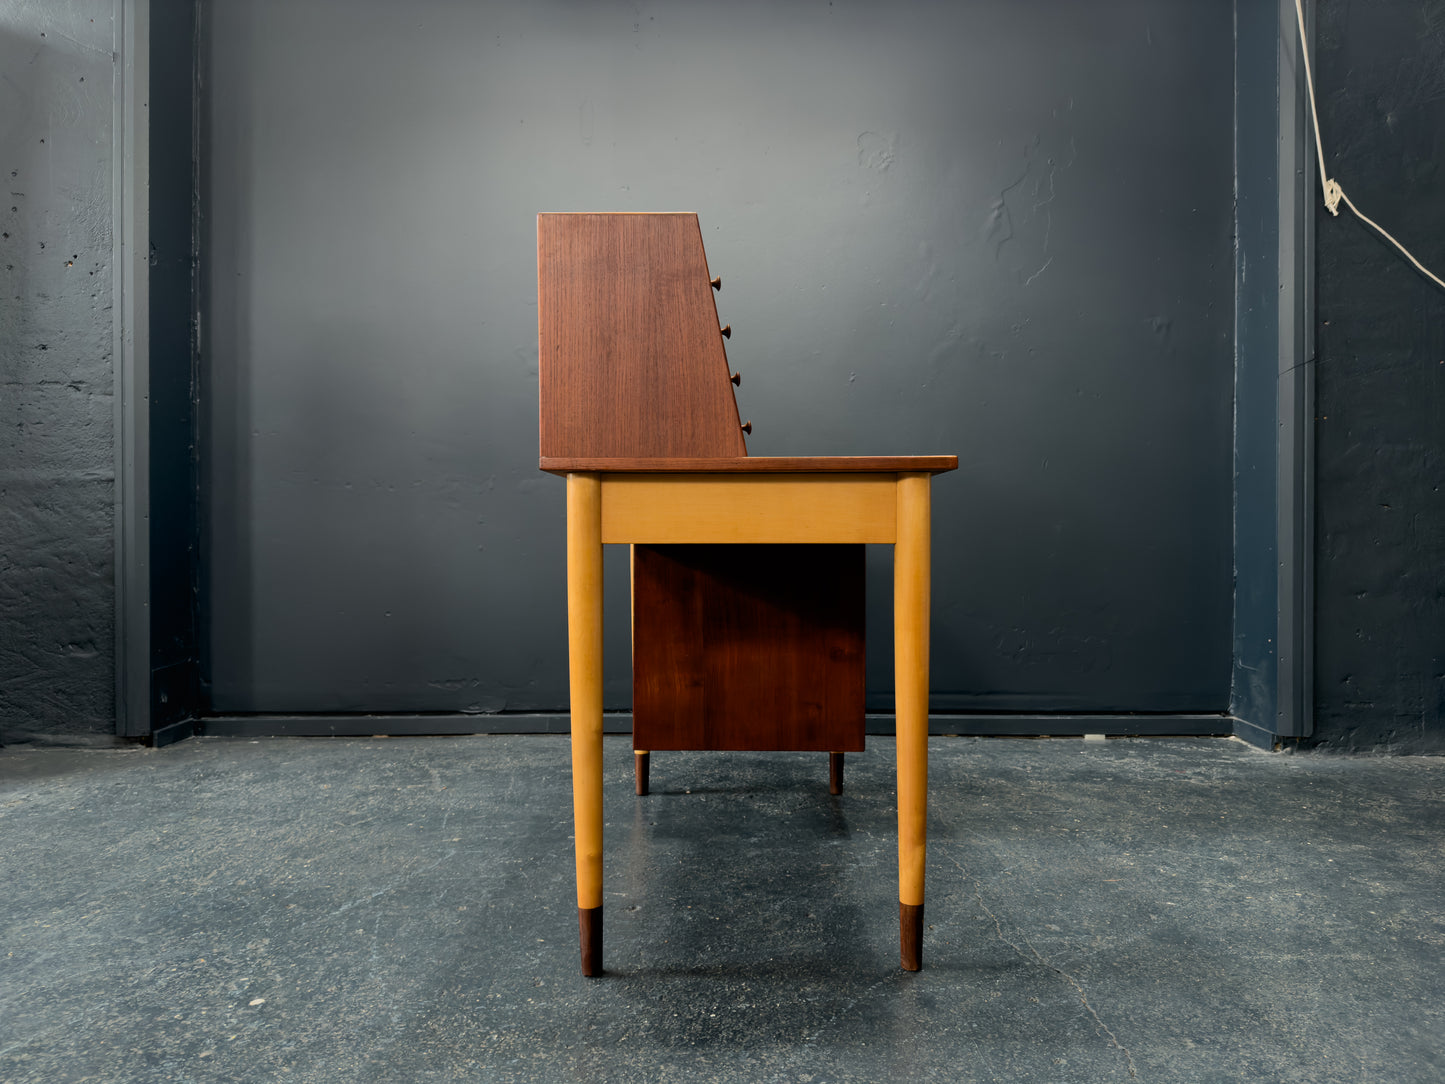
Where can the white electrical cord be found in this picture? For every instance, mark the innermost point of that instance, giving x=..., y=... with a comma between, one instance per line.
x=1332, y=190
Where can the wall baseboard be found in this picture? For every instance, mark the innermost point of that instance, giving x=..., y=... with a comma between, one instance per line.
x=169, y=735
x=1067, y=725
x=1004, y=725
x=1254, y=735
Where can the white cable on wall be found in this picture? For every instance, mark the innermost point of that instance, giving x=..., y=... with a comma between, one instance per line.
x=1332, y=191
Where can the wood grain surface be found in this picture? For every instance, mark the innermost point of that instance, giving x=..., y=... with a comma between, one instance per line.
x=656, y=508
x=630, y=356
x=748, y=647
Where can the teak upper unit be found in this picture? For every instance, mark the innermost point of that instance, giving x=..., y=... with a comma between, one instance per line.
x=630, y=356
x=637, y=411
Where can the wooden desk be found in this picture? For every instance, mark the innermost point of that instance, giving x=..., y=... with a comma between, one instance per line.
x=636, y=408
x=879, y=499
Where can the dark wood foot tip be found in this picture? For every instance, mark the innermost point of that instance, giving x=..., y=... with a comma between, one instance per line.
x=835, y=773
x=589, y=924
x=910, y=935
x=642, y=762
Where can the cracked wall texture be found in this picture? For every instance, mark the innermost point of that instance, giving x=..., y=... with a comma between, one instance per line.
x=1380, y=585
x=56, y=386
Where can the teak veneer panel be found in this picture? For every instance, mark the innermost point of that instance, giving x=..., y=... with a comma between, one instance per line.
x=630, y=357
x=748, y=647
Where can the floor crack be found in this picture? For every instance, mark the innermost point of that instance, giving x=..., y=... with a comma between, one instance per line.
x=1044, y=962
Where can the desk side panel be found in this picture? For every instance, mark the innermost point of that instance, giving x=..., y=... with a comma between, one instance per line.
x=796, y=508
x=630, y=358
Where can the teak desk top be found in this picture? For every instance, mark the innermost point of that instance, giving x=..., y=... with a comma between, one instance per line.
x=759, y=464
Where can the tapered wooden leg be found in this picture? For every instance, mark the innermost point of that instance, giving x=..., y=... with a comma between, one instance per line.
x=641, y=761
x=584, y=643
x=910, y=636
x=835, y=773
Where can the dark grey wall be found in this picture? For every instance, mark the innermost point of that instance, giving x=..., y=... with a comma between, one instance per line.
x=1380, y=587
x=56, y=381
x=997, y=229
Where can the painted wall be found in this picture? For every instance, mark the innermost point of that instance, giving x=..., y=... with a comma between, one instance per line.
x=56, y=385
x=997, y=229
x=1380, y=583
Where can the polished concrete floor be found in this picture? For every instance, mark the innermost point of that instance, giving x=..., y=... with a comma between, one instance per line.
x=401, y=910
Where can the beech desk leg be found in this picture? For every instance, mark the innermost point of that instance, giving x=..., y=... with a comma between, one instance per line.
x=910, y=662
x=584, y=646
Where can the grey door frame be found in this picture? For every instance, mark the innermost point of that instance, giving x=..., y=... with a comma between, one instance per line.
x=1272, y=693
x=1274, y=365
x=131, y=318
x=155, y=415
x=1295, y=469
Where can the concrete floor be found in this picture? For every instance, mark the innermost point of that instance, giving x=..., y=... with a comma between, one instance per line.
x=401, y=910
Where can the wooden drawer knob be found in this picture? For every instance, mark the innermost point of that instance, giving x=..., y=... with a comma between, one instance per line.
x=748, y=428
x=717, y=283
x=727, y=331
x=737, y=379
